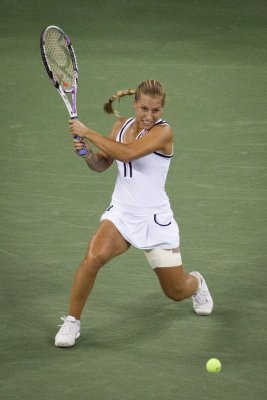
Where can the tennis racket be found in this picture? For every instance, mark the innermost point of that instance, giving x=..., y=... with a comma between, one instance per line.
x=61, y=65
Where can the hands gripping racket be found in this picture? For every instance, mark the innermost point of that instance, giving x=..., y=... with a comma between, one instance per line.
x=61, y=65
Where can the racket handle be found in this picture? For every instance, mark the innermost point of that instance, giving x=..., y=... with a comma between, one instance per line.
x=83, y=151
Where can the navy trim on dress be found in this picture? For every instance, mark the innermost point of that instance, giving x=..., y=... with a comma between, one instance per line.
x=130, y=169
x=155, y=220
x=123, y=128
x=162, y=155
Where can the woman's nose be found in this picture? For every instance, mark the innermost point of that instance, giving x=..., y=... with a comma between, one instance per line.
x=149, y=114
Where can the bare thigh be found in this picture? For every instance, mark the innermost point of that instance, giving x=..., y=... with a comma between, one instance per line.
x=106, y=243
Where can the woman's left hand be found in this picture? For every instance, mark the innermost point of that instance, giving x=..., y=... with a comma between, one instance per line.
x=78, y=129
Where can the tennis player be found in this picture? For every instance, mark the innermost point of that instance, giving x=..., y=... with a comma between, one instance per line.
x=139, y=213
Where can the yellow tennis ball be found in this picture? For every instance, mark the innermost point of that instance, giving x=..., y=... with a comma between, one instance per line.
x=213, y=365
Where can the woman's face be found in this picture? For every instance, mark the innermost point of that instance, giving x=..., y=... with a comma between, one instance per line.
x=148, y=110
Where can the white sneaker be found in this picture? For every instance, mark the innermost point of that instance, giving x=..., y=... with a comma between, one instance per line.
x=68, y=333
x=202, y=300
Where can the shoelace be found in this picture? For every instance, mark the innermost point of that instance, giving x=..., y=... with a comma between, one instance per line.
x=64, y=319
x=201, y=297
x=67, y=325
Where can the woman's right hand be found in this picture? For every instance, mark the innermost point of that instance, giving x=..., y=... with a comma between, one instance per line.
x=80, y=144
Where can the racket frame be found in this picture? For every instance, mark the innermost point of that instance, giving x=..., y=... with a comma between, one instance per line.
x=71, y=107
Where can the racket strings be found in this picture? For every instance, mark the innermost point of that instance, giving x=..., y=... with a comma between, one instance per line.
x=59, y=59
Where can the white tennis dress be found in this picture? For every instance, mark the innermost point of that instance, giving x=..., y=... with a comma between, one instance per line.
x=140, y=208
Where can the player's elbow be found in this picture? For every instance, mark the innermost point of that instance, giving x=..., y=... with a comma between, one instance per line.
x=127, y=156
x=125, y=160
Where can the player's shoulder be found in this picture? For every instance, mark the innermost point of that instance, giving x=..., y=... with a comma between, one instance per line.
x=120, y=122
x=117, y=126
x=162, y=127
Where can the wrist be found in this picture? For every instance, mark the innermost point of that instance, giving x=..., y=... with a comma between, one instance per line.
x=88, y=155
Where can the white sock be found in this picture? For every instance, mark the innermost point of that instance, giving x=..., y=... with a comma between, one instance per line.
x=73, y=319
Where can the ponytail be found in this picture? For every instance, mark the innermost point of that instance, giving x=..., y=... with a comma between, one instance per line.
x=108, y=107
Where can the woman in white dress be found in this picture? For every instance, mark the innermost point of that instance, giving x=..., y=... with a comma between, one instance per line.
x=140, y=213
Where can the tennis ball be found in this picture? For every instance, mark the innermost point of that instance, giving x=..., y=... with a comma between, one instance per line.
x=213, y=365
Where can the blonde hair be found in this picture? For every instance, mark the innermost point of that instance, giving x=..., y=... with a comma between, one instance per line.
x=149, y=87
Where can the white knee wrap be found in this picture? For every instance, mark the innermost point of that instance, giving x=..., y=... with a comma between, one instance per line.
x=160, y=258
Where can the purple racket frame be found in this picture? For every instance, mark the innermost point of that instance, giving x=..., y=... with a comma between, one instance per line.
x=71, y=107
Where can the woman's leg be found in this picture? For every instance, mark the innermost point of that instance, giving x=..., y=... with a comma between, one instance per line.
x=176, y=283
x=106, y=244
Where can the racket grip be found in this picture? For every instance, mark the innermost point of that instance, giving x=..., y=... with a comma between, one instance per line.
x=83, y=151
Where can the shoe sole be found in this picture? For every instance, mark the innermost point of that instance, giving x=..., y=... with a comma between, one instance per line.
x=62, y=344
x=203, y=312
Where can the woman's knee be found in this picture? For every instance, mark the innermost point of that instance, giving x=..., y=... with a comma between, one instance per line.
x=105, y=244
x=93, y=261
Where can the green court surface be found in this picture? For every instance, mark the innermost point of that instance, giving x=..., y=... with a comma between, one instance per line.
x=211, y=55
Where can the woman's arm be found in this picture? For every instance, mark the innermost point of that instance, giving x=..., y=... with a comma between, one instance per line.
x=99, y=161
x=157, y=139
